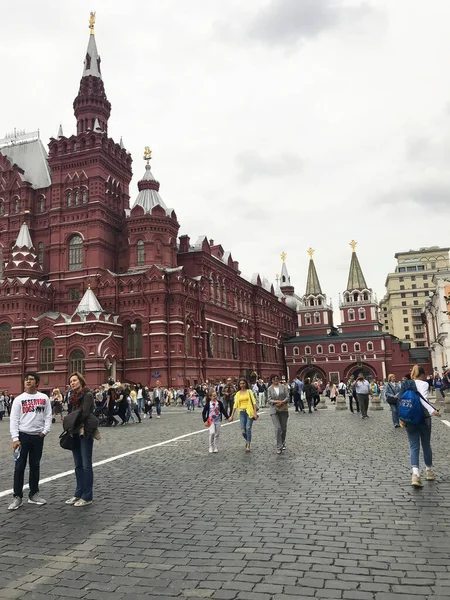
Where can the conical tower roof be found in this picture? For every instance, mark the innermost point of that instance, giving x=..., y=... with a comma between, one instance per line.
x=92, y=60
x=148, y=187
x=24, y=238
x=356, y=280
x=312, y=284
x=23, y=260
x=89, y=303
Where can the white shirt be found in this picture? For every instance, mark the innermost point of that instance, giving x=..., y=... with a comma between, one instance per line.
x=277, y=390
x=423, y=388
x=30, y=413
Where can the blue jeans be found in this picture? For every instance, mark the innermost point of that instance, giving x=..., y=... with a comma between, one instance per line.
x=82, y=457
x=394, y=411
x=246, y=426
x=141, y=404
x=158, y=406
x=417, y=434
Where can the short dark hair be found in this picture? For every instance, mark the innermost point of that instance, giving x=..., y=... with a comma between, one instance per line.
x=32, y=374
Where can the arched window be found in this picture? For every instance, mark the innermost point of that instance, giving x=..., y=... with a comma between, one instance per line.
x=76, y=361
x=357, y=347
x=1, y=262
x=15, y=205
x=307, y=319
x=135, y=340
x=84, y=195
x=316, y=318
x=48, y=355
x=211, y=288
x=140, y=253
x=311, y=302
x=370, y=346
x=351, y=314
x=307, y=350
x=40, y=254
x=69, y=198
x=2, y=207
x=41, y=205
x=319, y=350
x=296, y=351
x=5, y=343
x=356, y=296
x=219, y=295
x=75, y=253
x=331, y=349
x=76, y=197
x=362, y=314
x=344, y=348
x=366, y=296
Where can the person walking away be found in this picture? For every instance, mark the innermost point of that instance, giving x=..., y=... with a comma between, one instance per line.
x=111, y=401
x=437, y=383
x=418, y=423
x=147, y=393
x=212, y=412
x=245, y=404
x=82, y=425
x=333, y=392
x=57, y=404
x=2, y=406
x=391, y=392
x=342, y=388
x=310, y=392
x=122, y=402
x=140, y=398
x=278, y=399
x=363, y=391
x=31, y=420
x=229, y=392
x=298, y=389
x=157, y=397
x=317, y=391
x=352, y=396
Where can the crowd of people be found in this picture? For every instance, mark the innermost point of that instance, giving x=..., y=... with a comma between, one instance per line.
x=33, y=412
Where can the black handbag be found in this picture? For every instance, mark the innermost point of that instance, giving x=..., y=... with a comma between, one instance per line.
x=66, y=441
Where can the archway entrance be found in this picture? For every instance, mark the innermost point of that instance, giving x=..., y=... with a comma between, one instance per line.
x=314, y=373
x=358, y=369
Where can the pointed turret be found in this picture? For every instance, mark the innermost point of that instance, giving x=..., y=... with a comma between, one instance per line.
x=89, y=303
x=286, y=288
x=148, y=187
x=312, y=284
x=315, y=313
x=60, y=132
x=359, y=311
x=356, y=280
x=91, y=104
x=23, y=261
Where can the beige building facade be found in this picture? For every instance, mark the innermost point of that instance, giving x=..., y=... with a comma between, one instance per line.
x=407, y=290
x=437, y=318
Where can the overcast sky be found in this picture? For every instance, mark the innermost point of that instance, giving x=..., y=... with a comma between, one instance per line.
x=275, y=125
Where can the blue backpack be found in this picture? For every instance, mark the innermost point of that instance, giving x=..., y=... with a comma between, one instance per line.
x=410, y=408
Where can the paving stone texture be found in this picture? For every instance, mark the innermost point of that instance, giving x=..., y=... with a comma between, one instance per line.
x=332, y=517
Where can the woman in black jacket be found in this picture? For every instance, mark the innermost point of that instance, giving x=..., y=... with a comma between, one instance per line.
x=82, y=426
x=212, y=418
x=310, y=393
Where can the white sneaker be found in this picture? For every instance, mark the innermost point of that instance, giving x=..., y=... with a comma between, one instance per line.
x=216, y=450
x=211, y=450
x=71, y=500
x=158, y=417
x=16, y=503
x=82, y=502
x=37, y=499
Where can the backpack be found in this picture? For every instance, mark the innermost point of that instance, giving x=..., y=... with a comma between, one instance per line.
x=410, y=409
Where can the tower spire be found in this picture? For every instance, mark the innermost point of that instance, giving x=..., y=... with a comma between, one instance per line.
x=312, y=284
x=356, y=280
x=91, y=102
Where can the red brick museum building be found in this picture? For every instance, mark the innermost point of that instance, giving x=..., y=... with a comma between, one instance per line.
x=88, y=284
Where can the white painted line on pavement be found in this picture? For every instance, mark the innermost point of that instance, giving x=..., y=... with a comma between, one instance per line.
x=445, y=422
x=118, y=457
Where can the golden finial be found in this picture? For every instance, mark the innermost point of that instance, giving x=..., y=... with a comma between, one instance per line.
x=92, y=22
x=283, y=257
x=277, y=278
x=311, y=252
x=89, y=286
x=353, y=244
x=147, y=153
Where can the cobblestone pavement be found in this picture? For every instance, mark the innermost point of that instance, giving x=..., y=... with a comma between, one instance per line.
x=332, y=517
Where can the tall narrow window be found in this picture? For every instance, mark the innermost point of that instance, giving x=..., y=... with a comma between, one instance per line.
x=2, y=207
x=84, y=195
x=40, y=254
x=135, y=340
x=362, y=314
x=47, y=355
x=69, y=198
x=316, y=317
x=344, y=348
x=75, y=253
x=357, y=347
x=351, y=315
x=77, y=362
x=76, y=197
x=307, y=319
x=1, y=262
x=5, y=343
x=41, y=205
x=140, y=253
x=16, y=205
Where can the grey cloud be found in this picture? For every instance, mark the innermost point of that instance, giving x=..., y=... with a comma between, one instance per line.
x=251, y=166
x=286, y=22
x=429, y=195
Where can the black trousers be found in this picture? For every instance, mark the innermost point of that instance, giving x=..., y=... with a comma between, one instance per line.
x=352, y=397
x=31, y=447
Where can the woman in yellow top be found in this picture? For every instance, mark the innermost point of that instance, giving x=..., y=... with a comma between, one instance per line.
x=245, y=403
